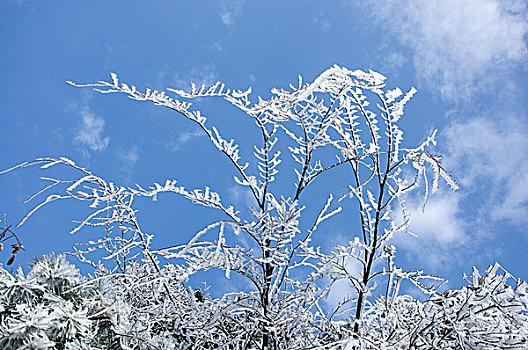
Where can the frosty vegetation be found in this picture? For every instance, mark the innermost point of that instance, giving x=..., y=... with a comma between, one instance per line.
x=343, y=119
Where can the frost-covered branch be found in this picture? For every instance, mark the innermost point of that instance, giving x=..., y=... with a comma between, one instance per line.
x=324, y=125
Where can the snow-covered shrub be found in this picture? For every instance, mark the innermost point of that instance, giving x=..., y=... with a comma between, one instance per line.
x=40, y=310
x=489, y=313
x=53, y=307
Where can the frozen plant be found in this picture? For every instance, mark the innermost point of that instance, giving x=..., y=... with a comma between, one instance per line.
x=343, y=119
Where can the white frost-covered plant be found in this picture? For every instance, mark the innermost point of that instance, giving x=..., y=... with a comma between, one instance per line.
x=38, y=310
x=53, y=307
x=343, y=119
x=491, y=312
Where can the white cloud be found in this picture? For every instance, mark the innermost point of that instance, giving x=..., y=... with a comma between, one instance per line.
x=130, y=156
x=490, y=160
x=128, y=159
x=241, y=197
x=182, y=139
x=342, y=289
x=217, y=46
x=161, y=77
x=393, y=61
x=439, y=222
x=199, y=75
x=321, y=22
x=205, y=74
x=440, y=229
x=458, y=46
x=230, y=10
x=89, y=134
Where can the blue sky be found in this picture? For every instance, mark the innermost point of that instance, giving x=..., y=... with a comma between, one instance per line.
x=468, y=60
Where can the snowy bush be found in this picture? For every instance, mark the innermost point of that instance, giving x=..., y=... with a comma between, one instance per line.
x=53, y=307
x=39, y=310
x=489, y=313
